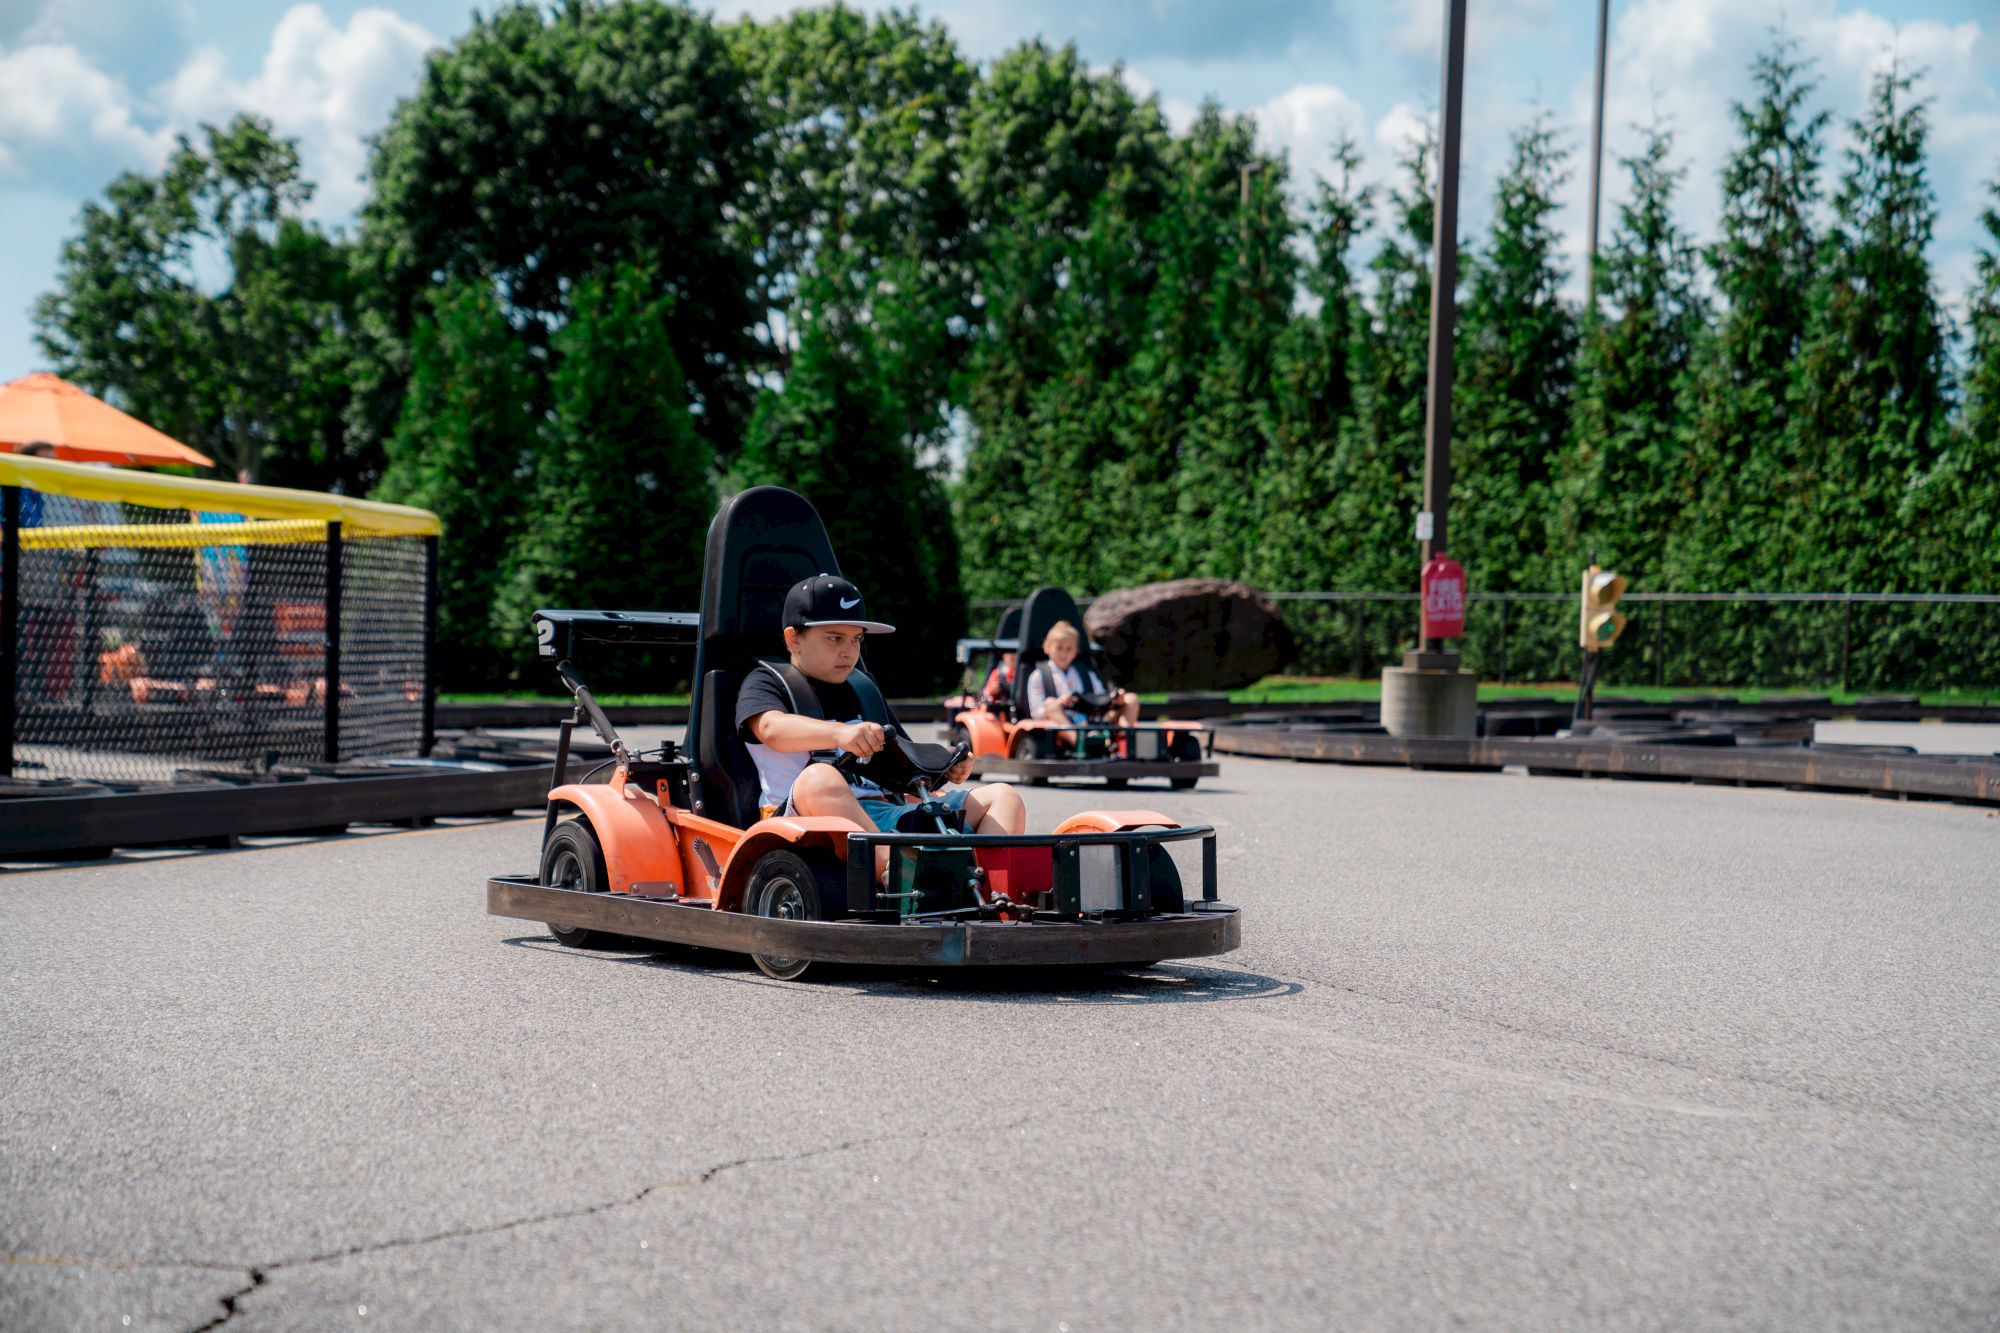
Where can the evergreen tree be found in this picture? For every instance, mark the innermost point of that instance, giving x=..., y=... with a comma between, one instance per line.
x=1970, y=482
x=464, y=447
x=1221, y=302
x=864, y=120
x=835, y=435
x=1516, y=364
x=1620, y=489
x=1734, y=520
x=1063, y=173
x=1870, y=397
x=1378, y=468
x=1982, y=376
x=1300, y=488
x=622, y=488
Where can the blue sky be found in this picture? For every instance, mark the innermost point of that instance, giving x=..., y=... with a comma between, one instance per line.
x=92, y=87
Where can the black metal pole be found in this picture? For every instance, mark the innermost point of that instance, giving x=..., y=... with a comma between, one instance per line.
x=10, y=619
x=335, y=559
x=1596, y=158
x=1846, y=639
x=1444, y=297
x=430, y=645
x=1660, y=648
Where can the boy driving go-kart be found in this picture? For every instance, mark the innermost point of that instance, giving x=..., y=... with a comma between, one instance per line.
x=825, y=623
x=748, y=837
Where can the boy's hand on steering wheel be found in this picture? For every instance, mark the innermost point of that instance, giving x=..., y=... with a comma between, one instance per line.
x=959, y=771
x=863, y=738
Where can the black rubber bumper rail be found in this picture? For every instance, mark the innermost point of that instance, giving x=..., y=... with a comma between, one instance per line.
x=183, y=815
x=1974, y=779
x=1214, y=928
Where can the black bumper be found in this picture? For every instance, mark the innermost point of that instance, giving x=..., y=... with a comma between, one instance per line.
x=1207, y=929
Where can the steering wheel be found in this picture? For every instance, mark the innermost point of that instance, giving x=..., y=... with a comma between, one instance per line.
x=899, y=765
x=1093, y=703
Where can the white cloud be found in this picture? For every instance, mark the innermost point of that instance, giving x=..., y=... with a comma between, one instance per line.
x=327, y=87
x=1178, y=112
x=63, y=121
x=1401, y=127
x=53, y=103
x=1305, y=122
x=1686, y=61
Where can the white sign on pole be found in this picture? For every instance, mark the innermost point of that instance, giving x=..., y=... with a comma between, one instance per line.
x=1426, y=524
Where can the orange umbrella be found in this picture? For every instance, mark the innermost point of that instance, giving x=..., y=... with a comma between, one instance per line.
x=83, y=429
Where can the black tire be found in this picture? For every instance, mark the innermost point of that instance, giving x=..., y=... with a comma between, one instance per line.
x=1116, y=784
x=572, y=859
x=957, y=735
x=1182, y=784
x=792, y=886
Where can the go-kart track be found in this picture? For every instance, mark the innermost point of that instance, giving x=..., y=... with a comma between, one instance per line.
x=1495, y=1051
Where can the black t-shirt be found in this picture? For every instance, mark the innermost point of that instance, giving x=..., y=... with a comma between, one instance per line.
x=763, y=693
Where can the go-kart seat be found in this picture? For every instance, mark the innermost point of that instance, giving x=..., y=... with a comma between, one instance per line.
x=761, y=542
x=1044, y=607
x=729, y=786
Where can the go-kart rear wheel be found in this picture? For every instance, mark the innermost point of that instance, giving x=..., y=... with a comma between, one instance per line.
x=572, y=859
x=1182, y=784
x=790, y=886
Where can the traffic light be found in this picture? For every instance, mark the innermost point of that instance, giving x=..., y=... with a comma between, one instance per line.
x=1601, y=623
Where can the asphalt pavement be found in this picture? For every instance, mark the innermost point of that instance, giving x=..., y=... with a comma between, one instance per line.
x=1497, y=1051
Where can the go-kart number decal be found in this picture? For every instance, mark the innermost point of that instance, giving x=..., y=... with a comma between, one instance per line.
x=545, y=637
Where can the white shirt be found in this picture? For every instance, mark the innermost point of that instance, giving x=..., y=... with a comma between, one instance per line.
x=1070, y=681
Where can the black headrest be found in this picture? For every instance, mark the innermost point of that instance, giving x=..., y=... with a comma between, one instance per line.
x=1010, y=624
x=1039, y=614
x=1044, y=607
x=762, y=541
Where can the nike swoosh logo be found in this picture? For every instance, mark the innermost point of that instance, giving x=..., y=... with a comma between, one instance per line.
x=846, y=605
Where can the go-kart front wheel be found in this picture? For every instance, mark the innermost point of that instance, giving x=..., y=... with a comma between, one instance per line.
x=790, y=886
x=572, y=859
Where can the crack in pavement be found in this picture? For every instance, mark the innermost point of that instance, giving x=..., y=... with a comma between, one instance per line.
x=1831, y=1100
x=260, y=1275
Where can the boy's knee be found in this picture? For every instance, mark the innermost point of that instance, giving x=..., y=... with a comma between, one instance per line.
x=1005, y=805
x=818, y=784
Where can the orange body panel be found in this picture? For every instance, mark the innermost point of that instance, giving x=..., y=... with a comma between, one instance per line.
x=987, y=733
x=638, y=841
x=765, y=834
x=1114, y=821
x=719, y=838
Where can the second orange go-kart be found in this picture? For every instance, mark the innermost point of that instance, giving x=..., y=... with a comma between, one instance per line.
x=675, y=847
x=1007, y=742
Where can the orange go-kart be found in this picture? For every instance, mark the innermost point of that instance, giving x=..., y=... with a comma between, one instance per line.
x=1007, y=742
x=674, y=846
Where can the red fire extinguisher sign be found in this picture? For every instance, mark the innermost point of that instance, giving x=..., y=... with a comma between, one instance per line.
x=1444, y=599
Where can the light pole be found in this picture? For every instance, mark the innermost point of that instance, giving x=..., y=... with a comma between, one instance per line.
x=1428, y=695
x=1596, y=160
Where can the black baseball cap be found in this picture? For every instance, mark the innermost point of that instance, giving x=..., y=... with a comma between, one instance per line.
x=828, y=599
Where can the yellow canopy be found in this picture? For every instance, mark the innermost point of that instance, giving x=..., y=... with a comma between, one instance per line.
x=358, y=518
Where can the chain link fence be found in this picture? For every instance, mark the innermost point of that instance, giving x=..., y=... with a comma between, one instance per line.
x=157, y=634
x=1851, y=642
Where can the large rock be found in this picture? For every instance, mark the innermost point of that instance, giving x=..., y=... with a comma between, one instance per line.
x=1189, y=634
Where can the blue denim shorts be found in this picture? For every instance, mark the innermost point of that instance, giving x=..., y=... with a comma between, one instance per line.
x=885, y=813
